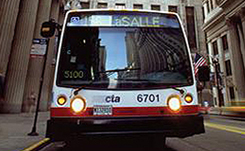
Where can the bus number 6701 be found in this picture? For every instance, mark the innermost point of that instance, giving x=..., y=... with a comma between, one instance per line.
x=148, y=98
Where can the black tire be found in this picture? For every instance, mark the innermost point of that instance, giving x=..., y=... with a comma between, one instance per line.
x=159, y=142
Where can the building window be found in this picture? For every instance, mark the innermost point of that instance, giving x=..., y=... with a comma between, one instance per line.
x=207, y=48
x=155, y=7
x=208, y=7
x=102, y=5
x=232, y=93
x=138, y=6
x=228, y=67
x=211, y=5
x=120, y=6
x=215, y=48
x=203, y=15
x=85, y=5
x=225, y=43
x=218, y=67
x=191, y=27
x=173, y=9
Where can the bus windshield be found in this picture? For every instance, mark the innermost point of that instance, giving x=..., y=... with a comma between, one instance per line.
x=123, y=53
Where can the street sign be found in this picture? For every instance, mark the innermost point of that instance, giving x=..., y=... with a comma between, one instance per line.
x=38, y=48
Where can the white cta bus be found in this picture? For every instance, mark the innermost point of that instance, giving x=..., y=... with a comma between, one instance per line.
x=123, y=72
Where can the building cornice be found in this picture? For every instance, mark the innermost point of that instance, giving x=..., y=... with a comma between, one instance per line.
x=221, y=2
x=211, y=22
x=233, y=12
x=204, y=1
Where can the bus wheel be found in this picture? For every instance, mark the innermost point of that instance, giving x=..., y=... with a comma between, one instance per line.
x=158, y=142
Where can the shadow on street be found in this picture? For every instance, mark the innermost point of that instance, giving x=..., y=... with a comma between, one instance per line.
x=116, y=143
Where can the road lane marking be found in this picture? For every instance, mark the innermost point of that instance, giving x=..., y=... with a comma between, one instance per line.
x=37, y=144
x=226, y=128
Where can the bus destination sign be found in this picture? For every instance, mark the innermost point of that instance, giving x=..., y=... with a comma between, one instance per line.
x=123, y=21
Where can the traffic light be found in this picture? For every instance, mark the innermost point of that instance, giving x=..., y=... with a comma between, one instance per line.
x=203, y=73
x=48, y=29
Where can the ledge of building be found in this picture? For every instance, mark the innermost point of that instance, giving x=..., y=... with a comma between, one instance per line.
x=212, y=17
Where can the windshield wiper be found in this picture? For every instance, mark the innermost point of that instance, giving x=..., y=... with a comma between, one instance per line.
x=118, y=70
x=178, y=89
x=82, y=87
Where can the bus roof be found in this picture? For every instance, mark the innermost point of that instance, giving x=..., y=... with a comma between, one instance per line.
x=121, y=10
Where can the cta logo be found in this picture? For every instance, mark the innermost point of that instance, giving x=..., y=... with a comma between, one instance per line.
x=112, y=99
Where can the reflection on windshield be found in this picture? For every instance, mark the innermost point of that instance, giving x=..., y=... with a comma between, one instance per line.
x=123, y=58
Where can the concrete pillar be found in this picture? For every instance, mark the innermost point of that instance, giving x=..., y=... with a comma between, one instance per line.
x=61, y=17
x=8, y=16
x=221, y=54
x=19, y=58
x=212, y=69
x=210, y=8
x=236, y=60
x=49, y=68
x=241, y=39
x=127, y=5
x=200, y=36
x=36, y=62
x=205, y=10
x=211, y=53
x=222, y=67
x=183, y=15
x=93, y=4
x=214, y=3
x=242, y=16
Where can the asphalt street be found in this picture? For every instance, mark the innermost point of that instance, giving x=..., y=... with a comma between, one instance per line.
x=222, y=134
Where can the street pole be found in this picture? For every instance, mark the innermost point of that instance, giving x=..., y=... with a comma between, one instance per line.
x=55, y=25
x=33, y=132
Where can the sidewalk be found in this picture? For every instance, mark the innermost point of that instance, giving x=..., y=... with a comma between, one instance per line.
x=15, y=127
x=238, y=111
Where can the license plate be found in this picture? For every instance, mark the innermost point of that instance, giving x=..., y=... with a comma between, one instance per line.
x=102, y=110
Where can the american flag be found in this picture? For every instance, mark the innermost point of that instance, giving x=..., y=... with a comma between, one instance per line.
x=199, y=61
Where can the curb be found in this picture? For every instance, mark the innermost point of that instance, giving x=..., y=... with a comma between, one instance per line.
x=238, y=111
x=38, y=145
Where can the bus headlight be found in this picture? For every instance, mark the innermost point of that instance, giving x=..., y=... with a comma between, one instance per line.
x=61, y=100
x=174, y=103
x=78, y=104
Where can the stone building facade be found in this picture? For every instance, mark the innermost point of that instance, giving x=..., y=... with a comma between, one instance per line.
x=224, y=27
x=20, y=22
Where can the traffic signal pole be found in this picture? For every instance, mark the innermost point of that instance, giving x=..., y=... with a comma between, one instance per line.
x=33, y=132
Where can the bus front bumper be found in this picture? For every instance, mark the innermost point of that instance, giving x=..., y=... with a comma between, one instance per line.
x=171, y=126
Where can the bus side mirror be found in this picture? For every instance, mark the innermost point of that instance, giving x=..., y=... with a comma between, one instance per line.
x=48, y=29
x=203, y=73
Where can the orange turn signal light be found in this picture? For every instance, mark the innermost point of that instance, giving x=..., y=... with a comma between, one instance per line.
x=188, y=98
x=61, y=100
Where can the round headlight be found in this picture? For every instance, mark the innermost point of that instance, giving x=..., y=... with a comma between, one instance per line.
x=174, y=103
x=61, y=100
x=78, y=104
x=188, y=98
